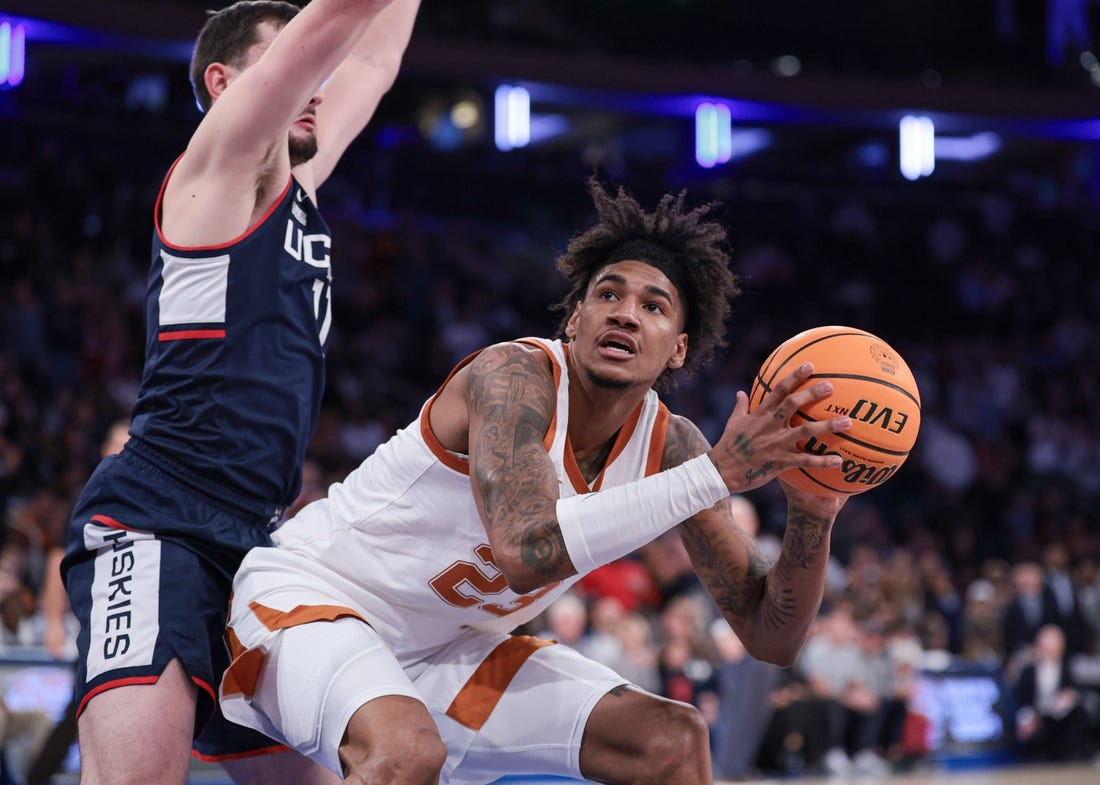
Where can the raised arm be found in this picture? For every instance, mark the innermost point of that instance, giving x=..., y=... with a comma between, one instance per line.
x=769, y=607
x=352, y=95
x=238, y=157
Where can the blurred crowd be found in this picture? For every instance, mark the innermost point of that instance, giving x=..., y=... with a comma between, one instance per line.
x=983, y=549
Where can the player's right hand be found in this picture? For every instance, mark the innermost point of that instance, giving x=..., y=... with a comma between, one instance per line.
x=758, y=445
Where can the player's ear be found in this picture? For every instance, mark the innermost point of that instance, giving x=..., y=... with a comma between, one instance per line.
x=217, y=77
x=679, y=355
x=571, y=325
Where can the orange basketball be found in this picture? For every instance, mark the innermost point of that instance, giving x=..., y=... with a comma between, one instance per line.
x=871, y=384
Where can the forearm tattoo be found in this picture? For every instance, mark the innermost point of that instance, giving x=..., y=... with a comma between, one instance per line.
x=805, y=540
x=728, y=560
x=735, y=584
x=514, y=397
x=804, y=546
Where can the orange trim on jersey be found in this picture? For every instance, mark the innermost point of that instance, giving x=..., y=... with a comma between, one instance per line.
x=573, y=469
x=136, y=681
x=233, y=643
x=243, y=673
x=548, y=439
x=302, y=614
x=189, y=335
x=274, y=748
x=484, y=689
x=441, y=453
x=159, y=204
x=448, y=458
x=657, y=440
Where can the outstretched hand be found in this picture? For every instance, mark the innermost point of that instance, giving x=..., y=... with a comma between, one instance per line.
x=759, y=445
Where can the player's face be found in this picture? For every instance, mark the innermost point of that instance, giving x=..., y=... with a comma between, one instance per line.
x=628, y=328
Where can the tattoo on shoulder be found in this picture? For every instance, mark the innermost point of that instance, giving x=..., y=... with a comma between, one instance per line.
x=509, y=375
x=683, y=442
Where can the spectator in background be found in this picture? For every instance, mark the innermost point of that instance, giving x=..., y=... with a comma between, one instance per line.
x=943, y=598
x=885, y=683
x=1061, y=593
x=744, y=685
x=1029, y=609
x=982, y=624
x=1051, y=720
x=637, y=652
x=1086, y=582
x=831, y=662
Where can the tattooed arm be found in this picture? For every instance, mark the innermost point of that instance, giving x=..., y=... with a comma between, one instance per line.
x=511, y=399
x=769, y=607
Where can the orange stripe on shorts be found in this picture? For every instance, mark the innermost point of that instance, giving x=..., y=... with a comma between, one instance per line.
x=244, y=672
x=302, y=614
x=480, y=695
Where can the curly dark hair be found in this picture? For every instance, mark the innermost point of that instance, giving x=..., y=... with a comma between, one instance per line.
x=228, y=35
x=691, y=251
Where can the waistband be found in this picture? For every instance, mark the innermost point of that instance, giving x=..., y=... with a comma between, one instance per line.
x=265, y=512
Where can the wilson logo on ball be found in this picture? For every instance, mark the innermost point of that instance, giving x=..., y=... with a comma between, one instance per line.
x=853, y=472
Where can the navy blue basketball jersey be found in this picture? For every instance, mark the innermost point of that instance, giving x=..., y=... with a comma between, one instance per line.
x=235, y=355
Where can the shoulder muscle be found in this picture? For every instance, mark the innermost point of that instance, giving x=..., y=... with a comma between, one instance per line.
x=683, y=442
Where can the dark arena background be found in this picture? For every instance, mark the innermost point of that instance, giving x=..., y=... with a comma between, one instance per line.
x=927, y=171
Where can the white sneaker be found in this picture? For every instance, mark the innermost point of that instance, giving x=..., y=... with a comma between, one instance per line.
x=837, y=763
x=869, y=762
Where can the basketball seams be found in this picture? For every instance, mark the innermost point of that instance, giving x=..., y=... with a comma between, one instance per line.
x=874, y=379
x=803, y=347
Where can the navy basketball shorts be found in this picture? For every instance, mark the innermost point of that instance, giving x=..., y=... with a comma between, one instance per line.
x=149, y=569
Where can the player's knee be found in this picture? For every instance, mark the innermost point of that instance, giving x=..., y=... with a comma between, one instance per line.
x=678, y=751
x=412, y=758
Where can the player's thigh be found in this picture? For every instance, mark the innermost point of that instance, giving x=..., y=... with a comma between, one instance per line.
x=314, y=677
x=633, y=736
x=522, y=718
x=139, y=733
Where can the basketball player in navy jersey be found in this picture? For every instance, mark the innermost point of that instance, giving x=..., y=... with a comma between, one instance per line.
x=238, y=316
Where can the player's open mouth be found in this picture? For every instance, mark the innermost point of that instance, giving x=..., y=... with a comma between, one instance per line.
x=618, y=346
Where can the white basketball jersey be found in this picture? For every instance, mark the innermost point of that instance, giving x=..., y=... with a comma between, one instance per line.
x=403, y=539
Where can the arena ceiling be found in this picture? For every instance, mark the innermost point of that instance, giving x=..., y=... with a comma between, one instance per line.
x=823, y=81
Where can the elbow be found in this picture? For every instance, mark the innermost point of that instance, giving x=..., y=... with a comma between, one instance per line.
x=388, y=67
x=782, y=659
x=521, y=578
x=782, y=654
x=524, y=584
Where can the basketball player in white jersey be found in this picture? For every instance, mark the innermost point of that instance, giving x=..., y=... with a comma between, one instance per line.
x=375, y=637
